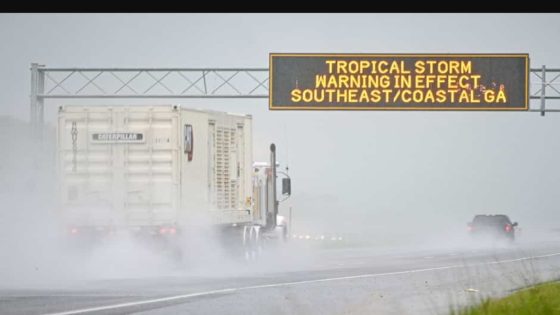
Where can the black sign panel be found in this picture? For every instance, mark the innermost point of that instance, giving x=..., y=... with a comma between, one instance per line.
x=399, y=81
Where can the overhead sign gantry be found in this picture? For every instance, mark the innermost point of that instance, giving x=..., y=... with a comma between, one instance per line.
x=178, y=83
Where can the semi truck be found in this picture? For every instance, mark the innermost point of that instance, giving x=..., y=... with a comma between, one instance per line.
x=156, y=170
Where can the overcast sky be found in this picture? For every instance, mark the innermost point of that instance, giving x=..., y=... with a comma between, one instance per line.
x=348, y=168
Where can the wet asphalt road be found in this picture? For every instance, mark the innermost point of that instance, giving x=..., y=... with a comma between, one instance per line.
x=302, y=280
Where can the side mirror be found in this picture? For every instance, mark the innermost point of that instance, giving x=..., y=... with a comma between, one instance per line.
x=514, y=224
x=286, y=186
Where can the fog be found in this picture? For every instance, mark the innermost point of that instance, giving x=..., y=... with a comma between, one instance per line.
x=384, y=179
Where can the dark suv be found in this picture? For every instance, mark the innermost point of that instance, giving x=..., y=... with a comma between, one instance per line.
x=493, y=226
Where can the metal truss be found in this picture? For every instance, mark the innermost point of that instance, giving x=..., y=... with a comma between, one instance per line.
x=89, y=83
x=160, y=83
x=546, y=86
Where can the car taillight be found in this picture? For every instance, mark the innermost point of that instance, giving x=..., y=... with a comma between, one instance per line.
x=469, y=228
x=74, y=230
x=167, y=230
x=508, y=228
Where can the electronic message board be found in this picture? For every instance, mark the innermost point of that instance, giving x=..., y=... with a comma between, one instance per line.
x=399, y=81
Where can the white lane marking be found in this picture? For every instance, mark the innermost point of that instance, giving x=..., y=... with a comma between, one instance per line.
x=165, y=299
x=281, y=284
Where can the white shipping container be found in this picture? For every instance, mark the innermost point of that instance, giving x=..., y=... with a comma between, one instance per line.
x=153, y=165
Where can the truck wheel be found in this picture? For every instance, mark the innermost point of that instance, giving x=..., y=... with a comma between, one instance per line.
x=252, y=241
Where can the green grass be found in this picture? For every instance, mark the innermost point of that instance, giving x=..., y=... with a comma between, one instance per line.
x=537, y=300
